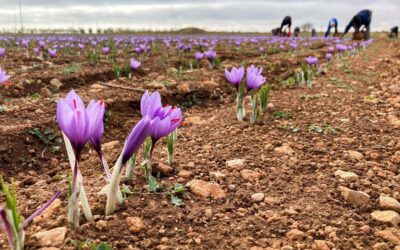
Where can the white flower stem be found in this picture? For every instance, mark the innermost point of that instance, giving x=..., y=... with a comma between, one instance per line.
x=114, y=185
x=82, y=194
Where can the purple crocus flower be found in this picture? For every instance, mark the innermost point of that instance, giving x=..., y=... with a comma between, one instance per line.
x=311, y=60
x=235, y=76
x=36, y=51
x=164, y=120
x=254, y=78
x=210, y=54
x=136, y=138
x=341, y=47
x=95, y=111
x=2, y=52
x=254, y=70
x=328, y=56
x=3, y=77
x=105, y=50
x=42, y=44
x=25, y=43
x=331, y=49
x=73, y=121
x=81, y=46
x=199, y=55
x=134, y=64
x=261, y=50
x=52, y=52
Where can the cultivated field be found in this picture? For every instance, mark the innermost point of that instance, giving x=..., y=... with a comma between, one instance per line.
x=314, y=171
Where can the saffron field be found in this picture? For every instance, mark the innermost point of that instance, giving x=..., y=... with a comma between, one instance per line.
x=199, y=141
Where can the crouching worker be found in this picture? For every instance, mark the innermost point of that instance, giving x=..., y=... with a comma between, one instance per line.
x=287, y=21
x=394, y=32
x=296, y=32
x=333, y=23
x=313, y=33
x=362, y=19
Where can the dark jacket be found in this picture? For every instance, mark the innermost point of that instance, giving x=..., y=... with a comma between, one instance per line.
x=286, y=21
x=335, y=25
x=363, y=17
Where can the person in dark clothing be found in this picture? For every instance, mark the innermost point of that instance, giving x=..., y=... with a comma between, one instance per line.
x=296, y=31
x=313, y=33
x=276, y=32
x=287, y=21
x=394, y=32
x=363, y=18
x=333, y=23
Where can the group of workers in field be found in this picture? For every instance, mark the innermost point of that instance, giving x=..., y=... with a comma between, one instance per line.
x=361, y=23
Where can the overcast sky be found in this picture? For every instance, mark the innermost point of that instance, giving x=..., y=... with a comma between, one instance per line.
x=230, y=15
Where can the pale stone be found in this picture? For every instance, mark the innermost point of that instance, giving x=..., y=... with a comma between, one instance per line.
x=257, y=197
x=51, y=238
x=355, y=155
x=235, y=163
x=46, y=214
x=295, y=234
x=348, y=176
x=205, y=189
x=388, y=217
x=356, y=198
x=135, y=224
x=250, y=175
x=284, y=150
x=389, y=203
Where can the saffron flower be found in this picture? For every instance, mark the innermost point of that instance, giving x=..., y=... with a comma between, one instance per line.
x=235, y=76
x=254, y=78
x=164, y=120
x=136, y=138
x=42, y=44
x=134, y=64
x=2, y=52
x=210, y=54
x=311, y=60
x=105, y=50
x=3, y=77
x=341, y=47
x=95, y=111
x=52, y=52
x=73, y=121
x=328, y=56
x=36, y=51
x=199, y=55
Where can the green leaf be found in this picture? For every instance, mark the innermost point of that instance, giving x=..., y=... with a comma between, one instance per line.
x=125, y=190
x=175, y=200
x=179, y=189
x=153, y=185
x=103, y=246
x=55, y=149
x=315, y=128
x=11, y=202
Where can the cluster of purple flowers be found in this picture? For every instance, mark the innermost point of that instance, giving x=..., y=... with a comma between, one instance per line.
x=81, y=125
x=254, y=77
